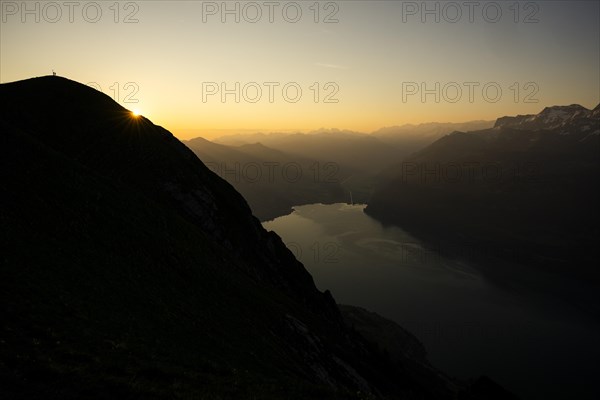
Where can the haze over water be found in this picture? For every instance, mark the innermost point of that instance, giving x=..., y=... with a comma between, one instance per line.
x=469, y=324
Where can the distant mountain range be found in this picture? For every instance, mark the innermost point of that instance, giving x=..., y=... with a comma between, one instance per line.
x=272, y=181
x=337, y=165
x=130, y=270
x=411, y=138
x=528, y=185
x=565, y=119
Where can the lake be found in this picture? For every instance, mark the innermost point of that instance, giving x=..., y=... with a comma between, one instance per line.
x=531, y=341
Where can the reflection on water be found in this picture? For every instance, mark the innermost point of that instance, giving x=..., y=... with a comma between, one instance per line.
x=470, y=324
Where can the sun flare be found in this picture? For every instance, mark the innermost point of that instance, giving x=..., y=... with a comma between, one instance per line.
x=135, y=113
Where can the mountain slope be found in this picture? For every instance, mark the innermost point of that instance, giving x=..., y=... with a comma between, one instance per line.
x=129, y=270
x=353, y=159
x=270, y=180
x=352, y=151
x=410, y=138
x=526, y=188
x=103, y=137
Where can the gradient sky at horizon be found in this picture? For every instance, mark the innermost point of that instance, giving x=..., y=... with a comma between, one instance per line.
x=373, y=54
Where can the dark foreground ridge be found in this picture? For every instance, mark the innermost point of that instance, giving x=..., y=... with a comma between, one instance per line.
x=129, y=270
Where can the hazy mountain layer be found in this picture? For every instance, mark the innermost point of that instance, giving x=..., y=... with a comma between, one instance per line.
x=358, y=161
x=270, y=180
x=526, y=189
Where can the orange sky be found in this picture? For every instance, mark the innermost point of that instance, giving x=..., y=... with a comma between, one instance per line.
x=354, y=65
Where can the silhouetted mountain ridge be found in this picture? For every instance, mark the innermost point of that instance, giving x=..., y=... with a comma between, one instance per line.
x=129, y=270
x=146, y=157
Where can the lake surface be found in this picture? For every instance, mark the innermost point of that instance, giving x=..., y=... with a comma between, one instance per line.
x=528, y=340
